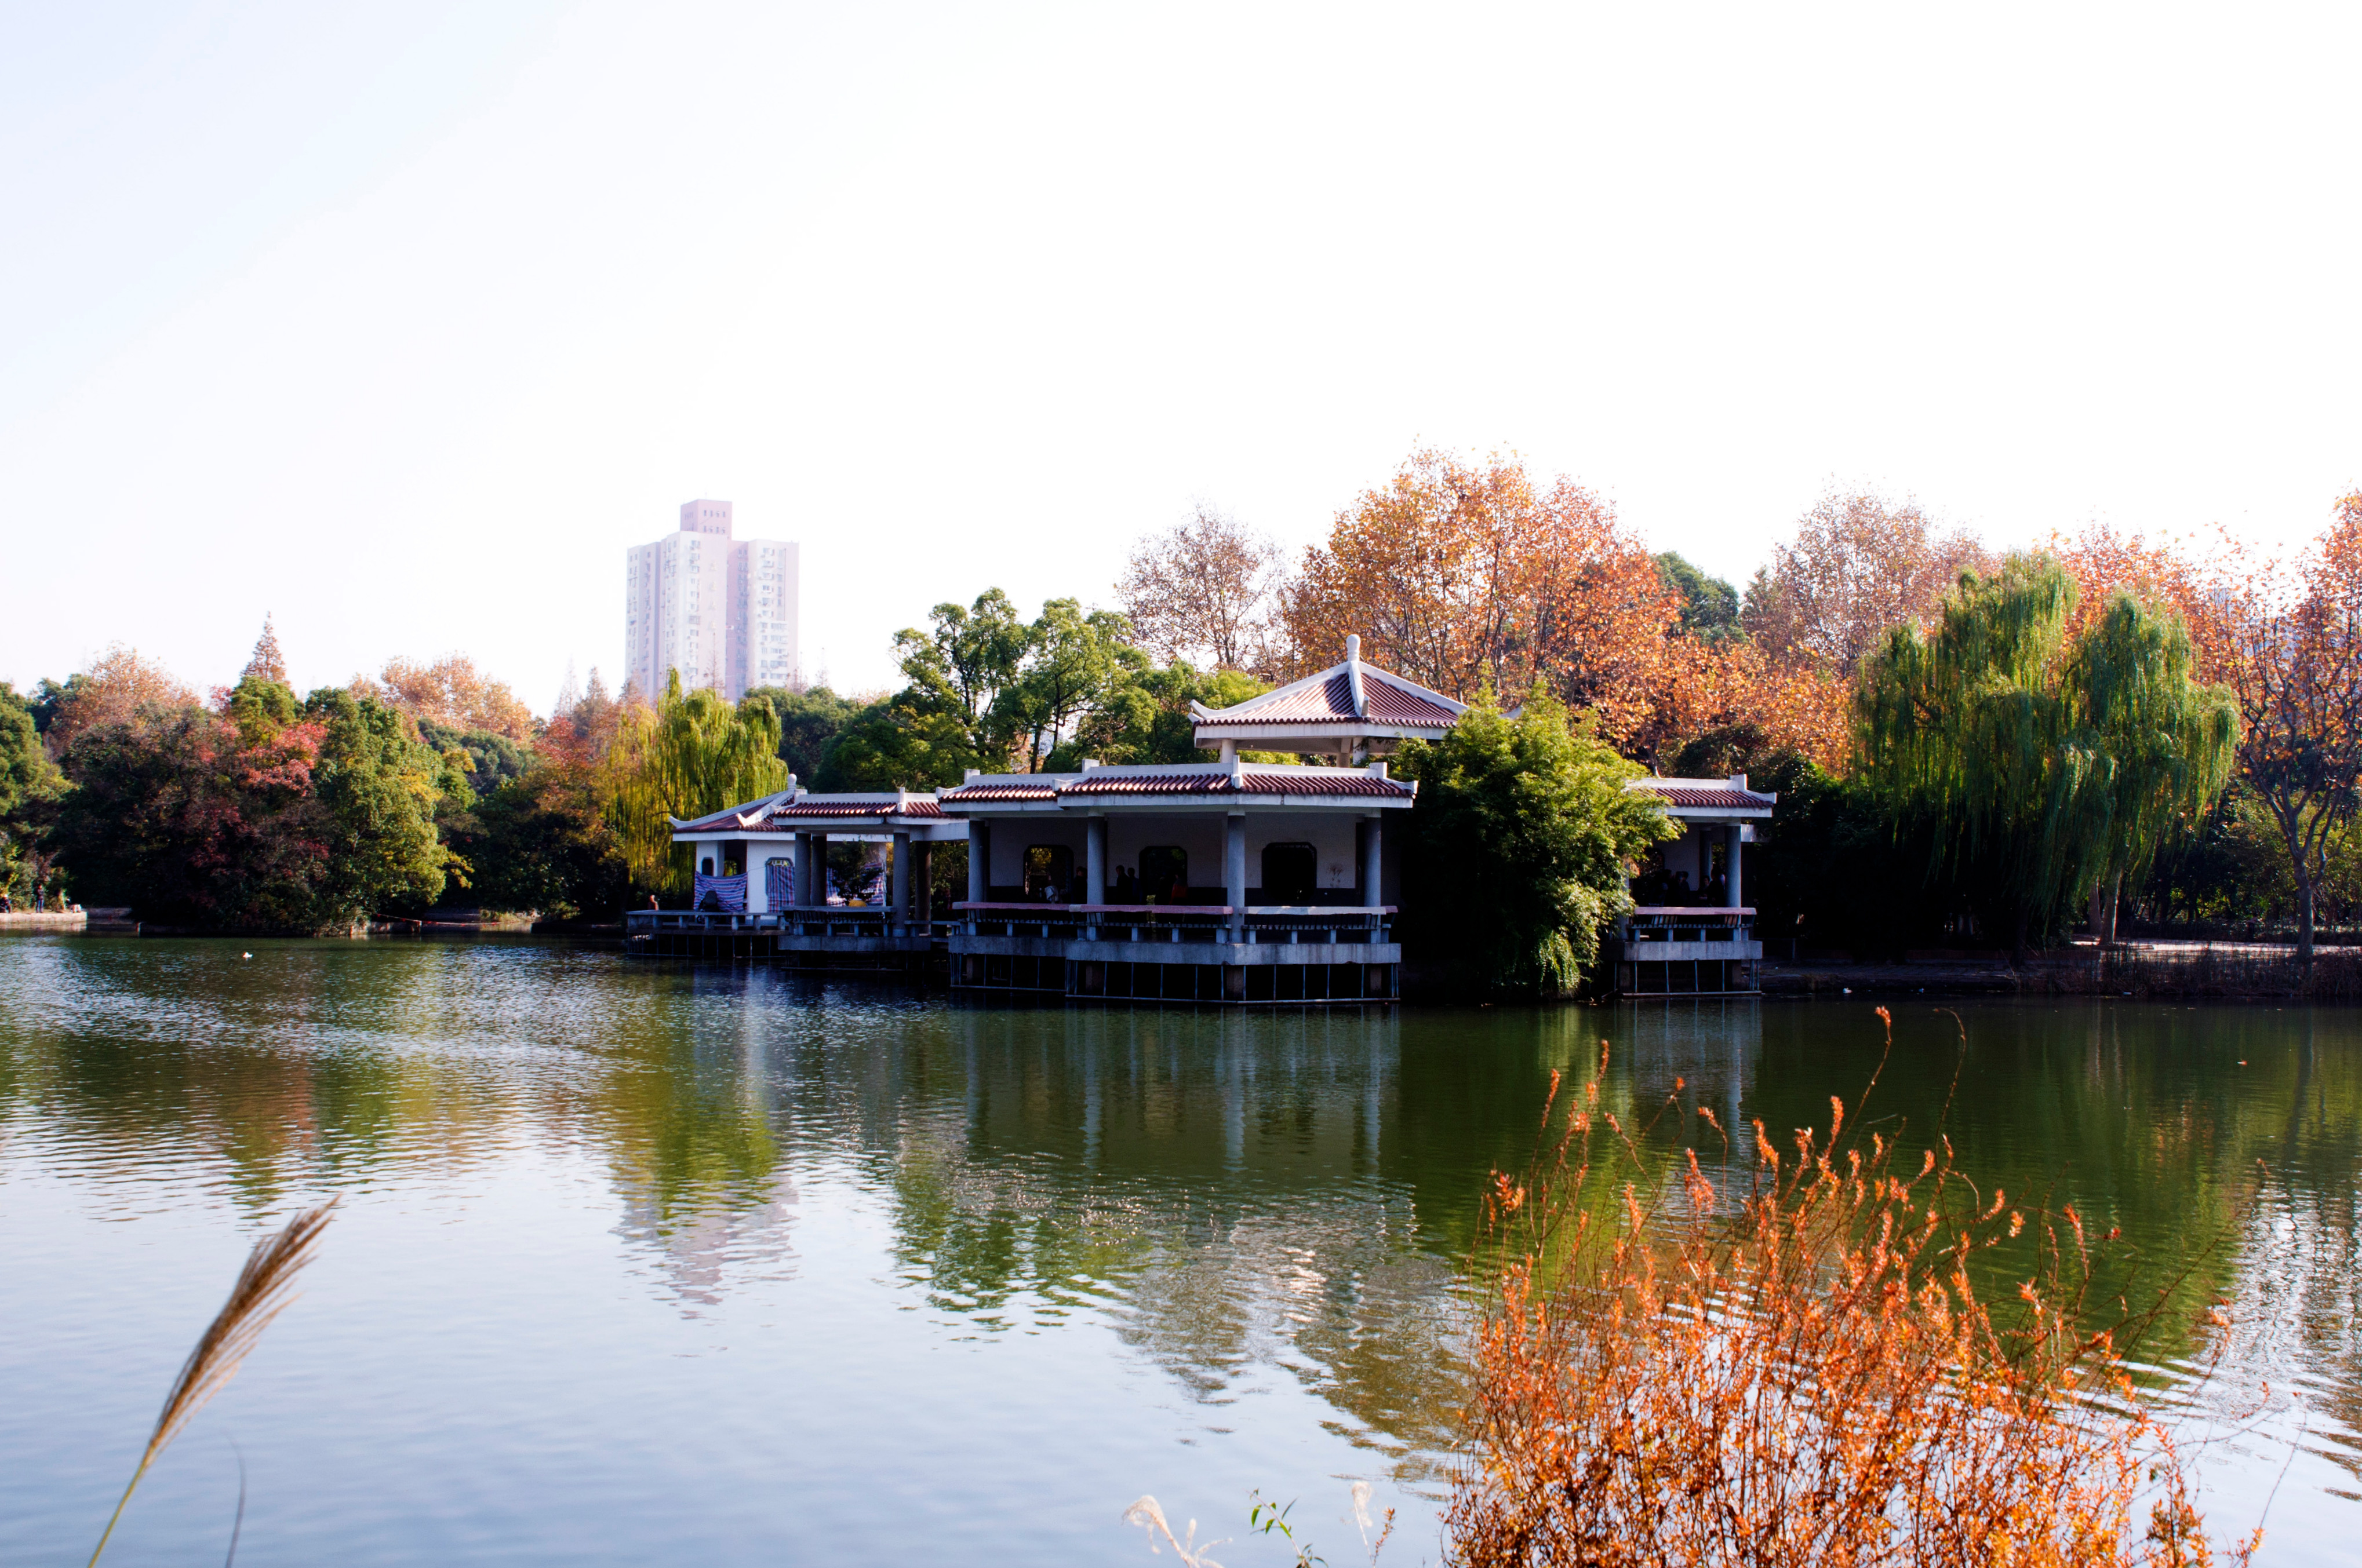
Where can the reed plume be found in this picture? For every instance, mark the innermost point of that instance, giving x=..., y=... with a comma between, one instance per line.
x=265, y=1288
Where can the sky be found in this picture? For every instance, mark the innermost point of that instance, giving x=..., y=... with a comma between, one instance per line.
x=399, y=321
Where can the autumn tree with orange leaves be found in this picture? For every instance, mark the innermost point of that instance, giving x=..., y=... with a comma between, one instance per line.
x=1464, y=576
x=450, y=692
x=2287, y=638
x=1857, y=565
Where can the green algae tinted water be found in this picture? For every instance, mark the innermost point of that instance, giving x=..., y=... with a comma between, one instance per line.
x=639, y=1263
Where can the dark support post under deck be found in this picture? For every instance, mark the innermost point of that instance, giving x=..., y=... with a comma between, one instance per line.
x=1234, y=872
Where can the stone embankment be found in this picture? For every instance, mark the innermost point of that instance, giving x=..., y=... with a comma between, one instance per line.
x=25, y=920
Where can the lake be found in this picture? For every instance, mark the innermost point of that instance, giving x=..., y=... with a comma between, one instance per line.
x=641, y=1263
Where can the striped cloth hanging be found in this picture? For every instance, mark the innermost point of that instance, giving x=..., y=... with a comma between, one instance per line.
x=780, y=883
x=729, y=891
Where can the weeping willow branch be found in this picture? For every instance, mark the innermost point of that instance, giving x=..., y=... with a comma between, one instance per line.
x=2047, y=767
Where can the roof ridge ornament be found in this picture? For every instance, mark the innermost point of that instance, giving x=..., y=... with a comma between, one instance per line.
x=1353, y=674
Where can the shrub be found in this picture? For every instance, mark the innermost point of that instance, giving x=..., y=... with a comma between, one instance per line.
x=1813, y=1379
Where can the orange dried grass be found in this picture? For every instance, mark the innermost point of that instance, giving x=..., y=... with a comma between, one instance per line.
x=1814, y=1380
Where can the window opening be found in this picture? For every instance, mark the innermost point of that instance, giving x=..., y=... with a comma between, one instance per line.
x=1165, y=874
x=1289, y=873
x=1049, y=873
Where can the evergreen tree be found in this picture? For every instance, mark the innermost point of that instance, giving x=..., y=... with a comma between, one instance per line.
x=1520, y=844
x=265, y=663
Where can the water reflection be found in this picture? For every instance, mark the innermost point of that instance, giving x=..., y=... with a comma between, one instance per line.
x=1240, y=1202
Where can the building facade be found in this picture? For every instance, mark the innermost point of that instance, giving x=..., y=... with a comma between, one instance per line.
x=720, y=610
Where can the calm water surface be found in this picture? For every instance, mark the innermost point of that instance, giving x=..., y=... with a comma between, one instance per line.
x=642, y=1264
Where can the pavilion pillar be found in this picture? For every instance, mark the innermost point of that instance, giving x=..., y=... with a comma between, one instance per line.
x=758, y=880
x=1731, y=837
x=1095, y=854
x=925, y=871
x=1234, y=872
x=898, y=908
x=811, y=875
x=1373, y=886
x=979, y=861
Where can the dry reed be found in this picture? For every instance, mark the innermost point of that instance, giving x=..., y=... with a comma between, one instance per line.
x=265, y=1288
x=1804, y=1375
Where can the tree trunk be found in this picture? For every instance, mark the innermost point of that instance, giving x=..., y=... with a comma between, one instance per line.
x=2303, y=923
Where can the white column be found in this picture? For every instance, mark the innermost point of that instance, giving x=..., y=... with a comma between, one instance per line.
x=1094, y=841
x=979, y=861
x=897, y=909
x=1373, y=886
x=1234, y=872
x=1731, y=837
x=758, y=878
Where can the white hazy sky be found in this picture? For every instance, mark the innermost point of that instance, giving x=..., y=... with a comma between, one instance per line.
x=401, y=321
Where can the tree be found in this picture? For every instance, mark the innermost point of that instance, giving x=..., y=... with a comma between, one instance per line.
x=379, y=791
x=193, y=819
x=118, y=687
x=1147, y=718
x=1520, y=844
x=809, y=722
x=2289, y=638
x=2042, y=766
x=1076, y=663
x=265, y=663
x=450, y=692
x=541, y=841
x=1202, y=589
x=1858, y=566
x=1460, y=574
x=964, y=667
x=692, y=754
x=1709, y=606
x=30, y=788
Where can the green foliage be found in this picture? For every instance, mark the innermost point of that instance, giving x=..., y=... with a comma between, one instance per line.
x=2041, y=767
x=964, y=669
x=983, y=684
x=1145, y=718
x=693, y=754
x=541, y=843
x=1074, y=663
x=31, y=789
x=1519, y=847
x=809, y=721
x=493, y=760
x=379, y=791
x=1709, y=604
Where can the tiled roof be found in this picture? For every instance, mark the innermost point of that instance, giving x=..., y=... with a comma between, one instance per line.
x=1331, y=702
x=873, y=808
x=1390, y=701
x=964, y=793
x=1707, y=799
x=1311, y=780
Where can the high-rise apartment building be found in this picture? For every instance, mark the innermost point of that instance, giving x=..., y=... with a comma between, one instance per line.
x=720, y=610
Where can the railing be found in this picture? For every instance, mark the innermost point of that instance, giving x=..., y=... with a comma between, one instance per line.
x=647, y=922
x=1689, y=923
x=1179, y=923
x=802, y=920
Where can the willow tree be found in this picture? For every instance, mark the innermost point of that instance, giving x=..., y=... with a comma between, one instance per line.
x=2048, y=767
x=692, y=754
